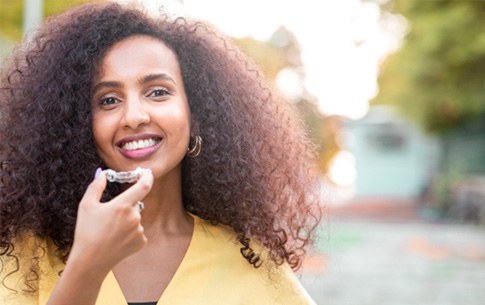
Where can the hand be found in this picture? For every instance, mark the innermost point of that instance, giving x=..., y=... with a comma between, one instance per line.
x=106, y=233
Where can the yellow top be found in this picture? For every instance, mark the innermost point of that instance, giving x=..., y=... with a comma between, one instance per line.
x=212, y=271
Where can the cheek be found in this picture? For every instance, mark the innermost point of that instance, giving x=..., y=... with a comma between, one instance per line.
x=179, y=118
x=101, y=130
x=185, y=127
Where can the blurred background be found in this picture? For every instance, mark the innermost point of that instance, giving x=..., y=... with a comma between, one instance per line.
x=393, y=95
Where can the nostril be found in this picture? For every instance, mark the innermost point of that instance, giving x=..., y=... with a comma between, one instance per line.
x=134, y=118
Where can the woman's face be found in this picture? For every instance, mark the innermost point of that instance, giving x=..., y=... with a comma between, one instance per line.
x=141, y=117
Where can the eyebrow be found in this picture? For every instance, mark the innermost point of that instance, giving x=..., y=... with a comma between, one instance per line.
x=106, y=85
x=146, y=79
x=152, y=77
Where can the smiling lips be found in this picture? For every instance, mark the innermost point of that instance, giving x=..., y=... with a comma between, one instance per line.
x=139, y=147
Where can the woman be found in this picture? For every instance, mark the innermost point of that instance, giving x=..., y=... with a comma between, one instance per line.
x=226, y=208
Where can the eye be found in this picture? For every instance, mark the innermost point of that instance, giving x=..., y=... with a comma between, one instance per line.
x=108, y=102
x=159, y=92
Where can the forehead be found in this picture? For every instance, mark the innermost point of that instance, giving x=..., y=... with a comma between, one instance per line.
x=136, y=52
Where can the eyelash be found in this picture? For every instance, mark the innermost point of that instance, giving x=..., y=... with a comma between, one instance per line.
x=163, y=92
x=103, y=102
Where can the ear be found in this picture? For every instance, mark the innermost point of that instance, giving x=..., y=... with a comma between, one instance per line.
x=194, y=127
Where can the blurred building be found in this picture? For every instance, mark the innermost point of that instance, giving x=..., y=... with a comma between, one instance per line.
x=462, y=171
x=392, y=156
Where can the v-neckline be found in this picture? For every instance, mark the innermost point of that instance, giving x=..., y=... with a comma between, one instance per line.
x=111, y=293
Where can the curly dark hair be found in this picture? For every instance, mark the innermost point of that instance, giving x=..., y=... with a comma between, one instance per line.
x=255, y=172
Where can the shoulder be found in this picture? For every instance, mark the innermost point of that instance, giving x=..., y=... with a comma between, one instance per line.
x=269, y=284
x=21, y=256
x=30, y=261
x=17, y=266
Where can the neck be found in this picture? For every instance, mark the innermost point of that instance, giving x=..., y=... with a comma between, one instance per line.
x=164, y=212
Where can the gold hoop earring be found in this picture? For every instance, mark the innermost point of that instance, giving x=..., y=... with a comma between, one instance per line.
x=195, y=151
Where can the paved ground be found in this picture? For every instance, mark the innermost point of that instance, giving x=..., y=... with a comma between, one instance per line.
x=384, y=253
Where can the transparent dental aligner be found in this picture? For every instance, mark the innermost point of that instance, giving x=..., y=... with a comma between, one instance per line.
x=124, y=177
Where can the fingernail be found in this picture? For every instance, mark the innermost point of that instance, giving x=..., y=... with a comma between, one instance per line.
x=98, y=172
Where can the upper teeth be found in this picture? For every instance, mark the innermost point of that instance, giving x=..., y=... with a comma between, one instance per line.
x=138, y=144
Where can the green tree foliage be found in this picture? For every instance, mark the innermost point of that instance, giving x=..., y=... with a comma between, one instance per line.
x=11, y=14
x=437, y=77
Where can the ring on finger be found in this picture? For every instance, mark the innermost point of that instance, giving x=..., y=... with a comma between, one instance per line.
x=141, y=205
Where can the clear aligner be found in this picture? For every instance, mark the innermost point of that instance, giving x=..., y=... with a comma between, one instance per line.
x=124, y=177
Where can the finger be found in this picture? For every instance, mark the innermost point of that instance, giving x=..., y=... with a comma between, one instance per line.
x=137, y=191
x=95, y=189
x=141, y=205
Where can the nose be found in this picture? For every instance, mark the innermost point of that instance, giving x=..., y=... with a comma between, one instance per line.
x=135, y=114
